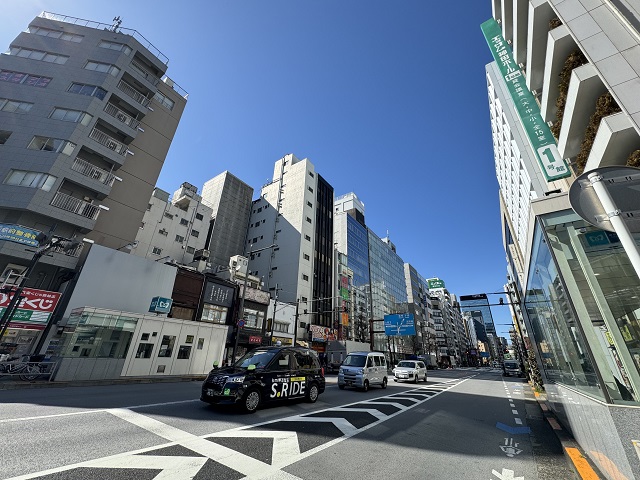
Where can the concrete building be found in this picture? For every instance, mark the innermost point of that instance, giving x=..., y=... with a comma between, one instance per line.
x=420, y=306
x=173, y=228
x=576, y=64
x=230, y=200
x=87, y=115
x=293, y=222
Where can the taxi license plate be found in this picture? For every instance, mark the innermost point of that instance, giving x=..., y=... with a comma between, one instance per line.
x=347, y=382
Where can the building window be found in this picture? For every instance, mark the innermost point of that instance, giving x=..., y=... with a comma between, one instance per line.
x=214, y=314
x=199, y=216
x=183, y=221
x=195, y=233
x=308, y=220
x=274, y=268
x=4, y=136
x=309, y=204
x=156, y=251
x=149, y=206
x=120, y=47
x=311, y=174
x=307, y=238
x=168, y=215
x=141, y=227
x=278, y=231
x=184, y=352
x=144, y=350
x=164, y=100
x=163, y=231
x=52, y=145
x=75, y=116
x=88, y=90
x=45, y=32
x=190, y=250
x=306, y=257
x=305, y=277
x=38, y=55
x=179, y=238
x=24, y=78
x=166, y=346
x=102, y=67
x=310, y=189
x=14, y=106
x=23, y=178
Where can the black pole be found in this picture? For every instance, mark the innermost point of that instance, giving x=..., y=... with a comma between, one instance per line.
x=295, y=324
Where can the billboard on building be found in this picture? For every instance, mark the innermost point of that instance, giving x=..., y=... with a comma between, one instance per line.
x=322, y=334
x=19, y=234
x=399, y=324
x=435, y=283
x=34, y=310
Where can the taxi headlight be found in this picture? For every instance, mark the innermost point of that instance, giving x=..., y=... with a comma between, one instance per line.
x=235, y=379
x=360, y=371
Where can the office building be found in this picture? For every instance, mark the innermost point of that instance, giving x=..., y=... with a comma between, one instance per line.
x=420, y=307
x=292, y=224
x=230, y=199
x=574, y=64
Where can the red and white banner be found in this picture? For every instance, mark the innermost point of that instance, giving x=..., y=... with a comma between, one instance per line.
x=34, y=300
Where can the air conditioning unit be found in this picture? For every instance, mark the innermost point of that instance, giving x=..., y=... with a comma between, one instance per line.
x=111, y=145
x=202, y=254
x=122, y=117
x=11, y=274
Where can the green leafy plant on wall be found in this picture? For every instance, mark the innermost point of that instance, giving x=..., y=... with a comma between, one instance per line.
x=605, y=106
x=574, y=60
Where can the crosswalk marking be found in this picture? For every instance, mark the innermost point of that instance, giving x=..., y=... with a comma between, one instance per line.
x=285, y=449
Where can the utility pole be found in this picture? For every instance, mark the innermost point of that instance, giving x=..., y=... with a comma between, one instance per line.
x=295, y=323
x=273, y=320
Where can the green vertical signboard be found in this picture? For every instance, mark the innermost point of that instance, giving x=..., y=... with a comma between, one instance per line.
x=540, y=137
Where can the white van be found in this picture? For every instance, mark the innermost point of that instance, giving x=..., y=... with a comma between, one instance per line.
x=363, y=369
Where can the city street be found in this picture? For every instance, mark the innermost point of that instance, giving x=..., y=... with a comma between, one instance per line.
x=465, y=423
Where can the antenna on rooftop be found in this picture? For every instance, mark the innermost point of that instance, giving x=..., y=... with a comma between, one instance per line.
x=117, y=21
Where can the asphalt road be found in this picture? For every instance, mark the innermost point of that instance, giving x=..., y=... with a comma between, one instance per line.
x=462, y=424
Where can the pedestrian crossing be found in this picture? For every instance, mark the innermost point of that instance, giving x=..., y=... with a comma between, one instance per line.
x=258, y=451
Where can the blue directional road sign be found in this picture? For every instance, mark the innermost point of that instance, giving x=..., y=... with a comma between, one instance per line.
x=399, y=324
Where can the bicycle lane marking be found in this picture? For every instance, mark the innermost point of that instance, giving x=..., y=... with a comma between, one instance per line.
x=229, y=460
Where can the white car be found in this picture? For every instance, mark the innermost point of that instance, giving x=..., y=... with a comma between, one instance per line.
x=410, y=370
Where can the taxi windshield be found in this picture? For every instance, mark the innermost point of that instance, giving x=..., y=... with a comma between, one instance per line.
x=259, y=358
x=355, y=361
x=407, y=364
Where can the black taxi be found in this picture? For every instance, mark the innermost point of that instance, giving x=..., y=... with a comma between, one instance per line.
x=266, y=374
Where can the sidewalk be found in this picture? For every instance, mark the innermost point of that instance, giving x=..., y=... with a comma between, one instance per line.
x=20, y=385
x=582, y=466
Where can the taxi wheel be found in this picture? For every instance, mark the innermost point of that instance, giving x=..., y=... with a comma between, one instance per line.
x=425, y=378
x=341, y=387
x=365, y=386
x=415, y=379
x=384, y=382
x=251, y=401
x=312, y=393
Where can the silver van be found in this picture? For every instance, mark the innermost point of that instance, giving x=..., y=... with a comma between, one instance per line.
x=363, y=369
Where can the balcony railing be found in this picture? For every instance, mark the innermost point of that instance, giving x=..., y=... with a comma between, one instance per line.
x=74, y=252
x=150, y=77
x=109, y=142
x=121, y=116
x=133, y=93
x=75, y=205
x=91, y=171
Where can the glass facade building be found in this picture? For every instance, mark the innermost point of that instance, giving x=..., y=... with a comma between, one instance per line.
x=358, y=263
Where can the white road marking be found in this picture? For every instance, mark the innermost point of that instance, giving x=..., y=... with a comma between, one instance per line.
x=515, y=412
x=85, y=412
x=506, y=475
x=518, y=421
x=510, y=447
x=284, y=452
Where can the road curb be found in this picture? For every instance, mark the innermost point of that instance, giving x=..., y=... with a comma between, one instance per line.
x=581, y=464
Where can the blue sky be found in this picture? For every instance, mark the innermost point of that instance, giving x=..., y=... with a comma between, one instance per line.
x=386, y=98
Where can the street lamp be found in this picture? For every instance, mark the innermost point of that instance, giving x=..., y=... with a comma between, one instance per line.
x=244, y=292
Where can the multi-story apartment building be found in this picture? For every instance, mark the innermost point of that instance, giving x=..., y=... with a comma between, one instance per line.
x=173, y=228
x=293, y=221
x=230, y=199
x=87, y=115
x=352, y=244
x=574, y=64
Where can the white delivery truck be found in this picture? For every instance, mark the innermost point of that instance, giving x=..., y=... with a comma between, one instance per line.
x=337, y=351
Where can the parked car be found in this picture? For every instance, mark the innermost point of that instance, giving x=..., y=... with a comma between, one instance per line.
x=414, y=370
x=363, y=369
x=266, y=374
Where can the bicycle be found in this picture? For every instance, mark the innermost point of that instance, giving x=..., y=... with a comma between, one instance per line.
x=27, y=371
